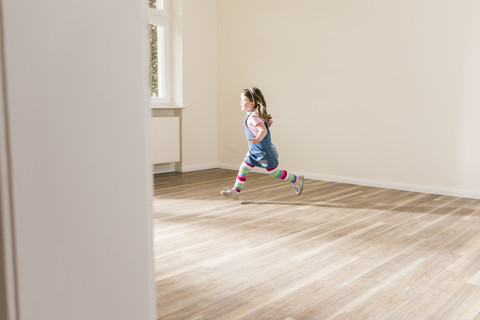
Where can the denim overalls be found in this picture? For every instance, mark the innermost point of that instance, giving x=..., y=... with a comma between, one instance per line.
x=263, y=154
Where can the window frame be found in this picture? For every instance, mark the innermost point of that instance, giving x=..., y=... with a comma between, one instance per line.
x=162, y=18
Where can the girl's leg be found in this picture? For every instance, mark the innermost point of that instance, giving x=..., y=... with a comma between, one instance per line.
x=282, y=174
x=288, y=176
x=234, y=193
x=244, y=170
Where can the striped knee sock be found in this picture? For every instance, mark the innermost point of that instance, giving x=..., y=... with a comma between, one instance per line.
x=282, y=174
x=244, y=170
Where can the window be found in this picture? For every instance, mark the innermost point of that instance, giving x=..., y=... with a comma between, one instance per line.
x=159, y=19
x=157, y=4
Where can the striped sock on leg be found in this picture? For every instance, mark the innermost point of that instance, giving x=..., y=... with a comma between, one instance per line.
x=244, y=170
x=282, y=174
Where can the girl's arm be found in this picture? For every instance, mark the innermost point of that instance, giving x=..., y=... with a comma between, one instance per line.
x=262, y=132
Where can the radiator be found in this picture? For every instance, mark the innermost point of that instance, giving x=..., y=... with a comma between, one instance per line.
x=166, y=139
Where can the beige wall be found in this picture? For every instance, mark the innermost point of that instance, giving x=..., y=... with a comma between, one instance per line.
x=79, y=150
x=372, y=92
x=199, y=118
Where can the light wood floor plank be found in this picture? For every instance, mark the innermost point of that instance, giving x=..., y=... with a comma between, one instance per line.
x=338, y=251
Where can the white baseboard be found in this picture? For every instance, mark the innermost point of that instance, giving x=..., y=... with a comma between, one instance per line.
x=199, y=167
x=163, y=168
x=172, y=167
x=377, y=184
x=229, y=167
x=397, y=186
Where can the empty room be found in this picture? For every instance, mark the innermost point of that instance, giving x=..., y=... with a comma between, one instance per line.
x=253, y=159
x=376, y=104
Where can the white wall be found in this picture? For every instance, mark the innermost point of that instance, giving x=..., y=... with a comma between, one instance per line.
x=199, y=118
x=77, y=80
x=372, y=92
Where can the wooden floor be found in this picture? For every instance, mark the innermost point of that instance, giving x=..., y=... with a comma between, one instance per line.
x=337, y=251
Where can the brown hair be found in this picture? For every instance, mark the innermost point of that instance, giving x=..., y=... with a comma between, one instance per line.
x=255, y=95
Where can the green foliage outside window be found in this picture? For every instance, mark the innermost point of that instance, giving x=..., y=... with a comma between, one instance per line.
x=154, y=54
x=154, y=60
x=156, y=4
